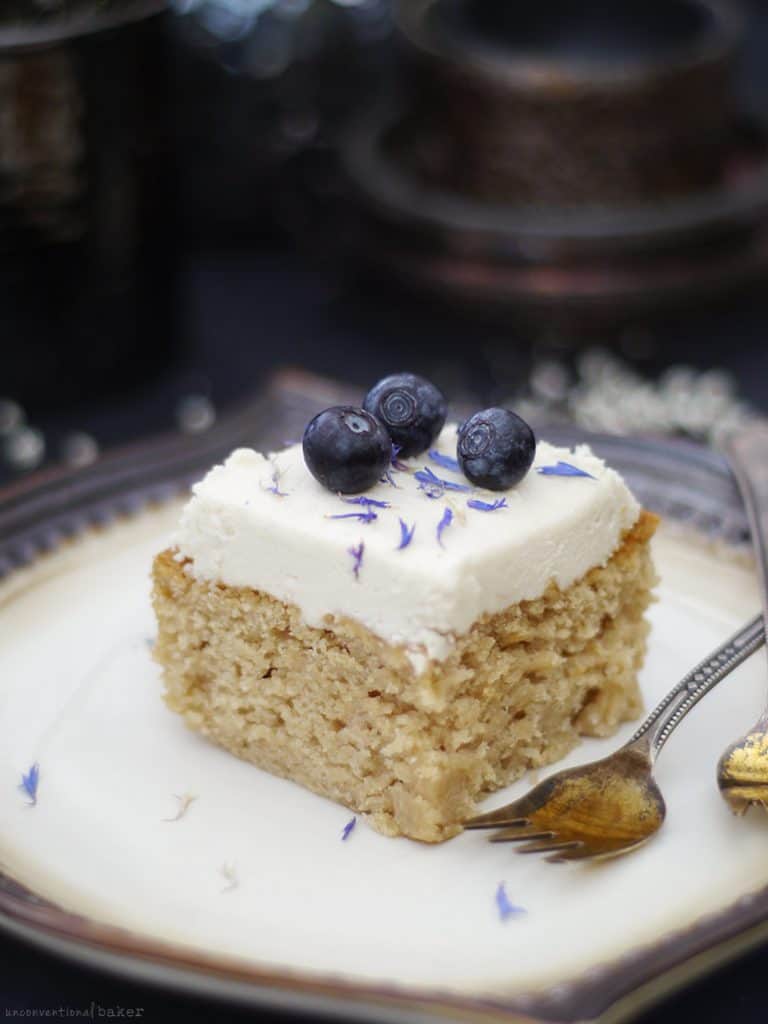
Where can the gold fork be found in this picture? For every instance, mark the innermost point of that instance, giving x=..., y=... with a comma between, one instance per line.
x=742, y=772
x=613, y=805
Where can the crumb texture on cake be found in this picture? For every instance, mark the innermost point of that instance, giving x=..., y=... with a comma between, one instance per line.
x=345, y=714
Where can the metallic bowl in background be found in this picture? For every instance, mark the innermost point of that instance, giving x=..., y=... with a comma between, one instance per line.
x=550, y=102
x=584, y=181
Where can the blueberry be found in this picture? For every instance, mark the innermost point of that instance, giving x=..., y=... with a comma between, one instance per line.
x=495, y=449
x=346, y=449
x=411, y=408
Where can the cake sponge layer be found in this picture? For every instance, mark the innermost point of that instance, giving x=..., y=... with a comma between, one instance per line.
x=346, y=715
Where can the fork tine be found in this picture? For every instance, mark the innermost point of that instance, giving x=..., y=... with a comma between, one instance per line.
x=582, y=851
x=741, y=797
x=574, y=851
x=747, y=804
x=739, y=807
x=526, y=831
x=502, y=818
x=547, y=845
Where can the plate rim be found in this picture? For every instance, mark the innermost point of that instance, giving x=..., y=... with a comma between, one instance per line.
x=39, y=513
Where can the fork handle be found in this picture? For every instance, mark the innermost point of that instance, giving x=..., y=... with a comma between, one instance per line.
x=666, y=716
x=747, y=452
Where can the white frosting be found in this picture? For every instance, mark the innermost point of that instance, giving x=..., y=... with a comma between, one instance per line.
x=236, y=531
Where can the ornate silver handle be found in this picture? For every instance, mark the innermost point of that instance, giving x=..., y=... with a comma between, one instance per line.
x=669, y=713
x=747, y=451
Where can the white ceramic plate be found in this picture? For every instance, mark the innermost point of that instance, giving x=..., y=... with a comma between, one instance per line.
x=254, y=886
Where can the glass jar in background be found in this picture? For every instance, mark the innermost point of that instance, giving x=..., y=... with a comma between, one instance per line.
x=87, y=223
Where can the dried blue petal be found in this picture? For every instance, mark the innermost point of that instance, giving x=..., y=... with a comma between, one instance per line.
x=368, y=502
x=394, y=461
x=388, y=479
x=274, y=488
x=487, y=506
x=431, y=483
x=446, y=461
x=433, y=491
x=348, y=829
x=29, y=783
x=563, y=469
x=406, y=534
x=357, y=558
x=362, y=517
x=505, y=906
x=443, y=524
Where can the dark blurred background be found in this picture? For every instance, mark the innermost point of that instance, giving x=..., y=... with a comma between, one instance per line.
x=523, y=204
x=559, y=205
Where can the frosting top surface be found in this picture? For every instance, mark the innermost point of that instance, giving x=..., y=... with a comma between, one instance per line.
x=263, y=521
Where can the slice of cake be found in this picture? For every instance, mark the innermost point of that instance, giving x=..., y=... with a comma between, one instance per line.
x=409, y=650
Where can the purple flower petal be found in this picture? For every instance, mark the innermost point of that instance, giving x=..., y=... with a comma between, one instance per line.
x=443, y=524
x=563, y=469
x=432, y=484
x=367, y=502
x=394, y=461
x=357, y=558
x=433, y=491
x=346, y=831
x=487, y=506
x=362, y=517
x=275, y=486
x=29, y=783
x=406, y=534
x=505, y=906
x=445, y=461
